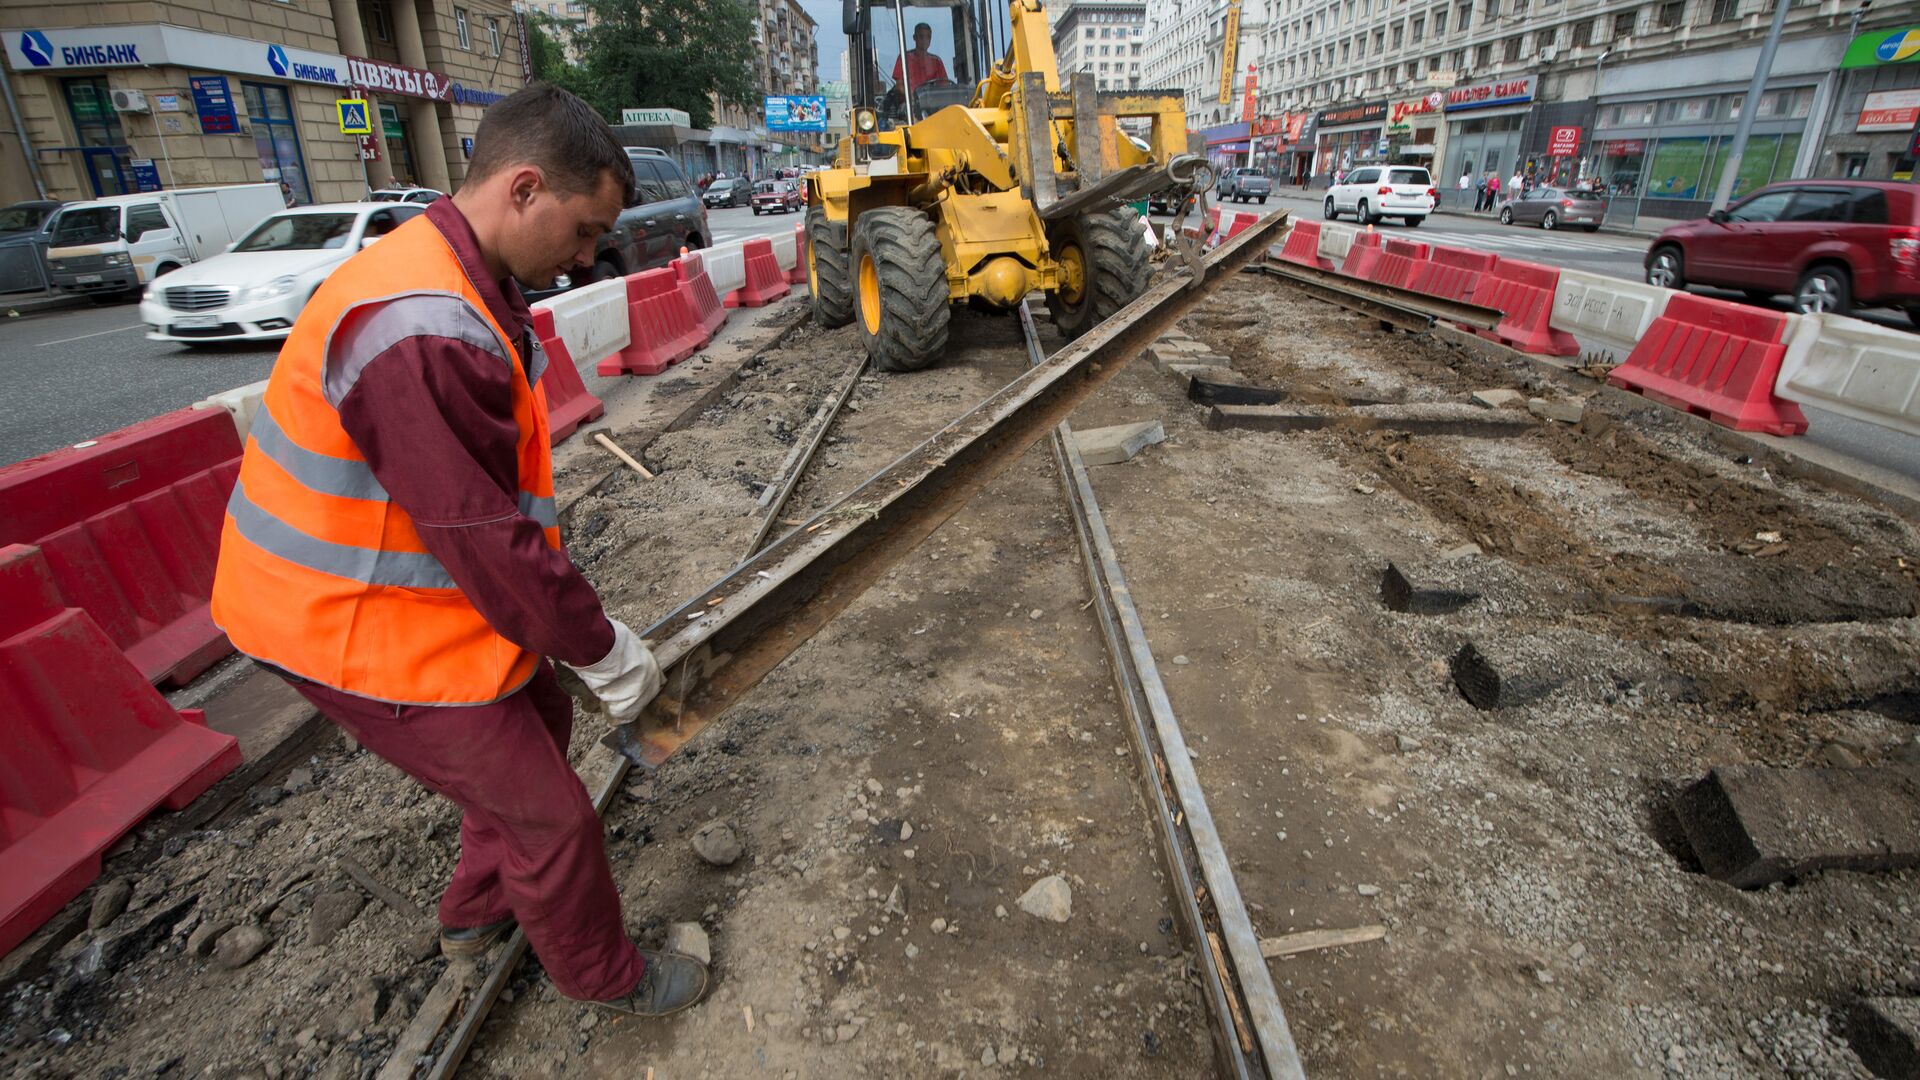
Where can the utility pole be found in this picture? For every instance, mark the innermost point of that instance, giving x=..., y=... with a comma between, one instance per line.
x=1752, y=106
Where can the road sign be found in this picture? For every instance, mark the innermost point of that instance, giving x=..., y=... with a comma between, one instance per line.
x=354, y=119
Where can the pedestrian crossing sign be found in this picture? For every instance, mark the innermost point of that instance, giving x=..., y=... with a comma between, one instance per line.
x=353, y=116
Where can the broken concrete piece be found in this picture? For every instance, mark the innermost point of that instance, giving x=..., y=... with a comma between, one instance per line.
x=332, y=911
x=1049, y=898
x=1116, y=444
x=716, y=844
x=1497, y=680
x=689, y=940
x=1401, y=595
x=1751, y=826
x=1415, y=419
x=1885, y=1032
x=1567, y=412
x=238, y=946
x=200, y=942
x=1173, y=351
x=109, y=900
x=1499, y=398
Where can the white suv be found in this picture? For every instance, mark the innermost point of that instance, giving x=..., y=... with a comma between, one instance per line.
x=1402, y=191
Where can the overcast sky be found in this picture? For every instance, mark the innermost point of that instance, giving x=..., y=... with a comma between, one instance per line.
x=827, y=35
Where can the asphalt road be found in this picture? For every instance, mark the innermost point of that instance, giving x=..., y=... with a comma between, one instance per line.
x=74, y=374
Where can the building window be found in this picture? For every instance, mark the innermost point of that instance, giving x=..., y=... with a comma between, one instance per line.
x=1465, y=21
x=376, y=17
x=275, y=138
x=1510, y=51
x=1726, y=10
x=1493, y=9
x=1672, y=15
x=1439, y=23
x=1419, y=29
x=1482, y=56
x=493, y=36
x=1583, y=33
x=1623, y=25
x=460, y=28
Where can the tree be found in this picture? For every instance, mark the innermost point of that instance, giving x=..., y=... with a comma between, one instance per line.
x=667, y=54
x=547, y=39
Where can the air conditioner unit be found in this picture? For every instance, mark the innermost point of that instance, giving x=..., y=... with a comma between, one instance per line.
x=129, y=101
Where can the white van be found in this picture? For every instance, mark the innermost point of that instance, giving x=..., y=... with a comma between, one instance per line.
x=120, y=243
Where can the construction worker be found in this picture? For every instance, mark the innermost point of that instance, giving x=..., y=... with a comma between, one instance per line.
x=391, y=547
x=921, y=66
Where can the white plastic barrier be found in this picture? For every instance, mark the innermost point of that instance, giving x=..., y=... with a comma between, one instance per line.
x=1336, y=240
x=785, y=250
x=592, y=319
x=726, y=267
x=1607, y=307
x=1855, y=368
x=241, y=403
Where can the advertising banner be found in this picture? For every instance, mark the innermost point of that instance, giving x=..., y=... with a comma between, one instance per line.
x=796, y=113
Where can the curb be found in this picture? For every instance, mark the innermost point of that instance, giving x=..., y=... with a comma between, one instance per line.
x=35, y=303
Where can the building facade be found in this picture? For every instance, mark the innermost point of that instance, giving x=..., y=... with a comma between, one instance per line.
x=1104, y=38
x=1187, y=44
x=116, y=98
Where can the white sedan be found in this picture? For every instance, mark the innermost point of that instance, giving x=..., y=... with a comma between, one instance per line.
x=255, y=289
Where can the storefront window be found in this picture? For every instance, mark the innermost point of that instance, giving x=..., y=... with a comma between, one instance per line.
x=1767, y=158
x=1688, y=110
x=1676, y=168
x=103, y=144
x=1616, y=164
x=1632, y=114
x=394, y=130
x=275, y=139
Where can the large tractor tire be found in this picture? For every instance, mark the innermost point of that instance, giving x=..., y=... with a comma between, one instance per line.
x=1103, y=268
x=900, y=288
x=828, y=275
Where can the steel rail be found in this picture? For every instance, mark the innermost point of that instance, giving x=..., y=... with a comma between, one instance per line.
x=797, y=462
x=1402, y=307
x=1162, y=750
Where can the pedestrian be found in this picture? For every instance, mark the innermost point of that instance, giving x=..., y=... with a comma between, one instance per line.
x=1515, y=185
x=391, y=548
x=1480, y=195
x=1466, y=181
x=1493, y=190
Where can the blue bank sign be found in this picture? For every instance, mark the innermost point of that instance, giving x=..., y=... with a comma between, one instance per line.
x=155, y=45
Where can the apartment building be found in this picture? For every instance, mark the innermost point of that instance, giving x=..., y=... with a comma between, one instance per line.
x=121, y=97
x=1104, y=38
x=786, y=63
x=1186, y=44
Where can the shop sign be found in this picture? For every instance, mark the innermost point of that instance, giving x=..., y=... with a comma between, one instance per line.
x=1564, y=142
x=388, y=78
x=214, y=102
x=369, y=148
x=1400, y=114
x=1489, y=94
x=1624, y=148
x=465, y=95
x=390, y=124
x=655, y=118
x=1900, y=46
x=1268, y=125
x=1372, y=112
x=166, y=102
x=1246, y=107
x=155, y=45
x=1299, y=126
x=1228, y=63
x=145, y=176
x=1890, y=110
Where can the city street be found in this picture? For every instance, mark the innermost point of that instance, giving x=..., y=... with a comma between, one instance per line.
x=72, y=374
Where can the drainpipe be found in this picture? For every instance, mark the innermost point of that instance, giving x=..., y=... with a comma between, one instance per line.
x=20, y=128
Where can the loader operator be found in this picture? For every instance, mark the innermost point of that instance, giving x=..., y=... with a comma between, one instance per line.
x=922, y=67
x=391, y=547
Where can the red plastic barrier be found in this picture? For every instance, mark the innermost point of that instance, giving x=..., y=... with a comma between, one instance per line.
x=798, y=275
x=708, y=312
x=1303, y=246
x=91, y=747
x=568, y=403
x=1400, y=260
x=766, y=282
x=1364, y=257
x=1717, y=359
x=660, y=324
x=1452, y=273
x=1524, y=291
x=130, y=528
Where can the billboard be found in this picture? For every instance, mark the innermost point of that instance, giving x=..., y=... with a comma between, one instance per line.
x=792, y=113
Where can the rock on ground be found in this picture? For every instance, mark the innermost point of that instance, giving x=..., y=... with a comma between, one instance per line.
x=1049, y=898
x=716, y=844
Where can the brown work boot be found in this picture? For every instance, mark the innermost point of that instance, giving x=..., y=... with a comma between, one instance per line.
x=670, y=983
x=473, y=940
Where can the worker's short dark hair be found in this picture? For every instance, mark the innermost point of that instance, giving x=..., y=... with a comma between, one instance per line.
x=545, y=126
x=917, y=27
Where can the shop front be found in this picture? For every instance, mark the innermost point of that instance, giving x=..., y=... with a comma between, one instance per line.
x=1283, y=147
x=1415, y=134
x=1877, y=108
x=1663, y=132
x=1347, y=138
x=1485, y=130
x=1227, y=144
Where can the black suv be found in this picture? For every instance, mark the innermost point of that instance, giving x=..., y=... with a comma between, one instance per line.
x=667, y=217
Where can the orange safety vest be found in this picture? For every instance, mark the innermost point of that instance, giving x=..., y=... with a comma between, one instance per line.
x=320, y=573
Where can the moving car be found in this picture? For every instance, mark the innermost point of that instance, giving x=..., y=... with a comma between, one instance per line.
x=1832, y=245
x=420, y=195
x=781, y=195
x=117, y=244
x=255, y=290
x=727, y=191
x=1244, y=185
x=1383, y=191
x=25, y=230
x=1552, y=207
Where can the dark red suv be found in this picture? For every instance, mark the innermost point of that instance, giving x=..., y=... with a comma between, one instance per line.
x=1833, y=245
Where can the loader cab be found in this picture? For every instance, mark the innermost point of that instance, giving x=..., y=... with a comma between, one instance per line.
x=906, y=73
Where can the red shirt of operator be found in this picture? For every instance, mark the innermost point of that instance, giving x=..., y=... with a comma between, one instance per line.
x=922, y=66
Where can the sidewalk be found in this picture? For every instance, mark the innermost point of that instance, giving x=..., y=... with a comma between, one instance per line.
x=1315, y=196
x=21, y=304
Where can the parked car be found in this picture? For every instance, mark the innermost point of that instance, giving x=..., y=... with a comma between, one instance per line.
x=1375, y=192
x=256, y=288
x=115, y=245
x=667, y=216
x=784, y=196
x=1552, y=207
x=420, y=195
x=1832, y=245
x=1244, y=185
x=727, y=191
x=25, y=230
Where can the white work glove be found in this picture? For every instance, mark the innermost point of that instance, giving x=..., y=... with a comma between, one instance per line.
x=626, y=678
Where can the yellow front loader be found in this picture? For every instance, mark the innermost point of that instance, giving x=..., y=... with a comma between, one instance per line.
x=971, y=176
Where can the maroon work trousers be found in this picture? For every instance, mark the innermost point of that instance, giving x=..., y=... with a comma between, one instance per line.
x=530, y=844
